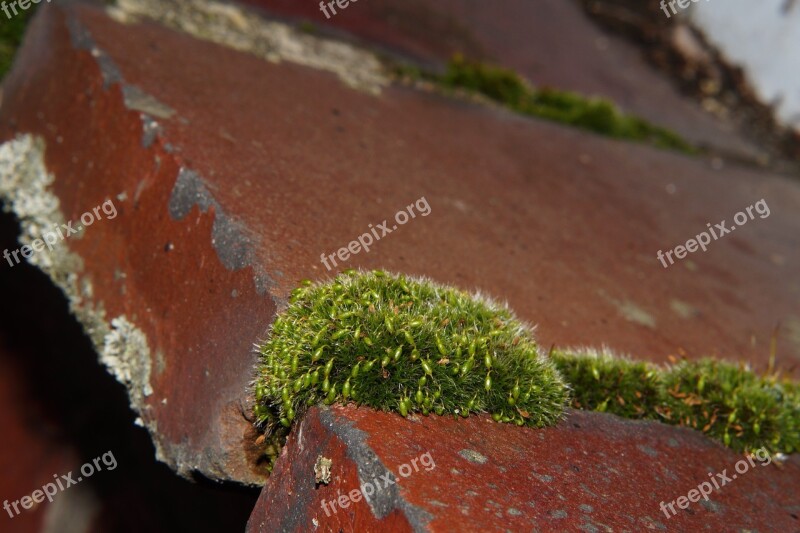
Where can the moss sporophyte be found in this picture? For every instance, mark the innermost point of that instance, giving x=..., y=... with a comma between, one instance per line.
x=408, y=345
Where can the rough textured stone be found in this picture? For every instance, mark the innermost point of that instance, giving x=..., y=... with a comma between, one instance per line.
x=534, y=194
x=593, y=472
x=132, y=271
x=59, y=409
x=232, y=174
x=550, y=42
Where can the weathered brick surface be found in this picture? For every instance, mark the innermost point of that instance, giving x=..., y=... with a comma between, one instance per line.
x=550, y=42
x=233, y=174
x=141, y=264
x=593, y=472
x=563, y=224
x=59, y=409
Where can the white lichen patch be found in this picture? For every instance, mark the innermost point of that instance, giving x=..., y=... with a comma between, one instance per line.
x=24, y=185
x=122, y=347
x=633, y=313
x=25, y=192
x=630, y=311
x=127, y=356
x=322, y=470
x=242, y=30
x=683, y=309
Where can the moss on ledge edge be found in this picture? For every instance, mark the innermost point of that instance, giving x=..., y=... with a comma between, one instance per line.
x=726, y=401
x=509, y=89
x=399, y=344
x=408, y=345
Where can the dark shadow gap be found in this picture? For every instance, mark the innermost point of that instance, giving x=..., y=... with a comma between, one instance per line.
x=72, y=402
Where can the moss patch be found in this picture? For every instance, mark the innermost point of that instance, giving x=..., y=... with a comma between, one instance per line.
x=725, y=401
x=731, y=404
x=11, y=33
x=407, y=345
x=602, y=382
x=509, y=89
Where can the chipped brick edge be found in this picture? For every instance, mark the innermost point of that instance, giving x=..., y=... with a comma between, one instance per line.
x=243, y=30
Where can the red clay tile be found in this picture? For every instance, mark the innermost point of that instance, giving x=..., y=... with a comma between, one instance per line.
x=593, y=472
x=261, y=167
x=550, y=42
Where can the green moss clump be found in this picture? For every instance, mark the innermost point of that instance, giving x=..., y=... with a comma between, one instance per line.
x=11, y=33
x=499, y=84
x=732, y=404
x=399, y=344
x=725, y=401
x=407, y=345
x=609, y=384
x=509, y=89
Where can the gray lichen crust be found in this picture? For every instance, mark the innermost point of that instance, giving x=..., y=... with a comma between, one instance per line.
x=241, y=30
x=126, y=354
x=25, y=192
